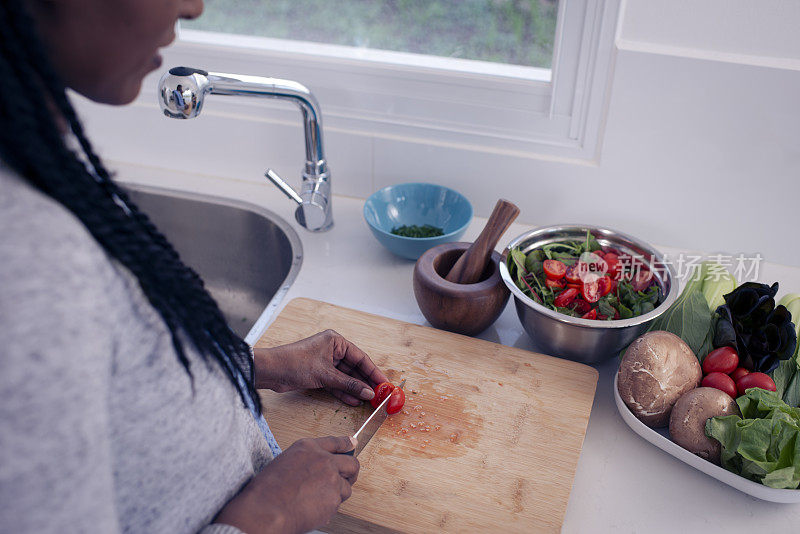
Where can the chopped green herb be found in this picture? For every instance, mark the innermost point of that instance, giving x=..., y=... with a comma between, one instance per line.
x=426, y=230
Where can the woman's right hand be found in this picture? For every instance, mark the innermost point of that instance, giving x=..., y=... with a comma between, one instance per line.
x=298, y=491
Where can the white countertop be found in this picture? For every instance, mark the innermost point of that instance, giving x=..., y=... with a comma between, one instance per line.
x=622, y=483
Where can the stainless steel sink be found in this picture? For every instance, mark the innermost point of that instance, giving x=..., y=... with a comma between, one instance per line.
x=247, y=255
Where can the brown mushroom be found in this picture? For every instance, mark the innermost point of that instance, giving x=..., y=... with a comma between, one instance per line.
x=687, y=423
x=655, y=371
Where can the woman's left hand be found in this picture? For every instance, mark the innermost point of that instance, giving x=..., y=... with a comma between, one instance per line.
x=325, y=360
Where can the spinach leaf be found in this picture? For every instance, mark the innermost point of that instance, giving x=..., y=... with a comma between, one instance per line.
x=534, y=260
x=625, y=312
x=565, y=257
x=516, y=266
x=604, y=307
x=516, y=269
x=590, y=244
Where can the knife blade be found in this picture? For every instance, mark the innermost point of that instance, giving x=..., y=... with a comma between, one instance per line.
x=372, y=424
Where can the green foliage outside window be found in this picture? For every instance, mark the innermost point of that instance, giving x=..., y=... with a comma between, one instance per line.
x=518, y=32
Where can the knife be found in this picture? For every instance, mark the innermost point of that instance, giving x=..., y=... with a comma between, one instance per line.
x=371, y=425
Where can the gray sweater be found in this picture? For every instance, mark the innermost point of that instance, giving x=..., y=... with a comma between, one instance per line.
x=99, y=428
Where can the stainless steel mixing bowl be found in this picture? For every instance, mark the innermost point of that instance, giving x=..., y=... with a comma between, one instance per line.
x=584, y=340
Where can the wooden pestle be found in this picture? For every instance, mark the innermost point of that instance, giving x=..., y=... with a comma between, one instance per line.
x=471, y=264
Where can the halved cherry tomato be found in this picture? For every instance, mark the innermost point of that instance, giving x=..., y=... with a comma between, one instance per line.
x=605, y=285
x=385, y=389
x=720, y=381
x=563, y=299
x=572, y=275
x=554, y=269
x=580, y=306
x=755, y=380
x=382, y=390
x=641, y=279
x=396, y=401
x=721, y=360
x=739, y=373
x=554, y=284
x=612, y=261
x=590, y=291
x=576, y=286
x=590, y=267
x=591, y=314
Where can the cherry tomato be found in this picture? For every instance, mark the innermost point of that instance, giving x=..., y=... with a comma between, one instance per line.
x=755, y=380
x=599, y=253
x=554, y=269
x=739, y=373
x=642, y=279
x=591, y=314
x=590, y=291
x=396, y=401
x=575, y=286
x=720, y=381
x=590, y=267
x=572, y=275
x=387, y=389
x=563, y=299
x=580, y=306
x=382, y=390
x=554, y=284
x=612, y=262
x=721, y=360
x=605, y=285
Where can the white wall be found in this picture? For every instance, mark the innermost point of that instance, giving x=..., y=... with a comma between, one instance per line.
x=761, y=32
x=701, y=146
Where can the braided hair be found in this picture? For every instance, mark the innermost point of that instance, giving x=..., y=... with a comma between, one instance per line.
x=31, y=143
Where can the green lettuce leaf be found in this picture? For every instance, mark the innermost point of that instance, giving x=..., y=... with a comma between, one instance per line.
x=763, y=444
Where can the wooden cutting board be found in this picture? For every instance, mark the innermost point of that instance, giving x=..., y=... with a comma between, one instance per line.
x=488, y=440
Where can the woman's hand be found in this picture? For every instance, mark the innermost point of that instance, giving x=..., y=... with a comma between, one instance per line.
x=324, y=360
x=298, y=491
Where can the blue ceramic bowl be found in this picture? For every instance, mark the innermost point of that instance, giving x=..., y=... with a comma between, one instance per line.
x=416, y=203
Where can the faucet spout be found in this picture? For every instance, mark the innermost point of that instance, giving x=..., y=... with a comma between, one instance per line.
x=181, y=94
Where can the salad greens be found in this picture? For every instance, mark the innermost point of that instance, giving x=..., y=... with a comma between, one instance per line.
x=607, y=293
x=763, y=444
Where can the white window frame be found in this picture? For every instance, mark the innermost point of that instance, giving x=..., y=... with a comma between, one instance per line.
x=470, y=105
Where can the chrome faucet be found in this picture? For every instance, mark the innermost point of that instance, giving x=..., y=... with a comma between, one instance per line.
x=181, y=93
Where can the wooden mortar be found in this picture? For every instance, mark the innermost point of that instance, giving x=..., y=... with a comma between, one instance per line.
x=462, y=308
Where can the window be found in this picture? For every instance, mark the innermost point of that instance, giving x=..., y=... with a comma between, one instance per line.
x=540, y=94
x=517, y=32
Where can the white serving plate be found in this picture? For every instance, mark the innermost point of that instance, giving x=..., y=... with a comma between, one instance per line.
x=660, y=440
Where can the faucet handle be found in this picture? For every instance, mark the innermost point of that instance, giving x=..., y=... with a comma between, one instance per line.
x=313, y=209
x=287, y=189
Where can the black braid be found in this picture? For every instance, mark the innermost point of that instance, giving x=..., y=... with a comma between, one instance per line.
x=31, y=143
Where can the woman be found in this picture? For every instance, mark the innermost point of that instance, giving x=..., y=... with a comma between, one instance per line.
x=126, y=402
